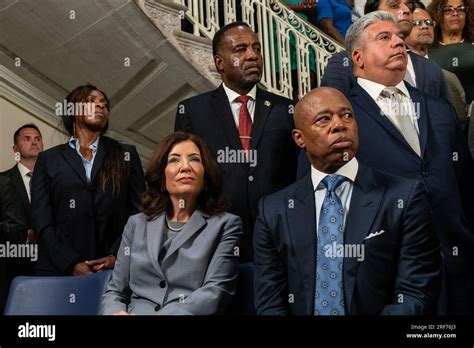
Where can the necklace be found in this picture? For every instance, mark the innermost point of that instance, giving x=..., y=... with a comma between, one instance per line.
x=174, y=229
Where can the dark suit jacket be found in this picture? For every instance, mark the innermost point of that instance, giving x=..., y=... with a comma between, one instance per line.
x=209, y=116
x=75, y=220
x=429, y=77
x=445, y=166
x=18, y=266
x=12, y=230
x=400, y=271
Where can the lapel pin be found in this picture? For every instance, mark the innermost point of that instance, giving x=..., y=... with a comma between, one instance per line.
x=267, y=103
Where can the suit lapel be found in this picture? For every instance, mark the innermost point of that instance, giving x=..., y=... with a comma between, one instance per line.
x=365, y=201
x=193, y=226
x=223, y=113
x=422, y=114
x=98, y=160
x=302, y=221
x=263, y=107
x=73, y=159
x=20, y=188
x=154, y=237
x=364, y=100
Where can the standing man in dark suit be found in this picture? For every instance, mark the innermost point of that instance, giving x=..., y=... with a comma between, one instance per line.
x=248, y=130
x=408, y=133
x=27, y=144
x=12, y=230
x=84, y=191
x=346, y=239
x=421, y=72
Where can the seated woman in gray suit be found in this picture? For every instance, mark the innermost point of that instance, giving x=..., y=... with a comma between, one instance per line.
x=181, y=255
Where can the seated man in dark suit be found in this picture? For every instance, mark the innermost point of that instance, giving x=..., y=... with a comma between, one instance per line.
x=406, y=132
x=346, y=239
x=247, y=129
x=421, y=72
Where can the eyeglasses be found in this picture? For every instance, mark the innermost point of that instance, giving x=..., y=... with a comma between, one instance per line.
x=428, y=22
x=449, y=10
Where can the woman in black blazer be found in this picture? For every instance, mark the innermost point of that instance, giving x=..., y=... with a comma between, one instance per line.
x=84, y=191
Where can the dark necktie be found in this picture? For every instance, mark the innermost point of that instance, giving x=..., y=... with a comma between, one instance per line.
x=245, y=122
x=30, y=175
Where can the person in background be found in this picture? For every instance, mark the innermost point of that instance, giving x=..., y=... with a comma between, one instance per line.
x=419, y=41
x=421, y=73
x=27, y=144
x=334, y=18
x=453, y=46
x=84, y=191
x=180, y=255
x=455, y=21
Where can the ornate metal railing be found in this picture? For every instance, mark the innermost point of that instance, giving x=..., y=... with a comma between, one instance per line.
x=292, y=48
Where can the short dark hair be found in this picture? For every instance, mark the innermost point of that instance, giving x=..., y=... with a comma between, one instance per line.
x=373, y=5
x=156, y=200
x=418, y=4
x=28, y=125
x=219, y=35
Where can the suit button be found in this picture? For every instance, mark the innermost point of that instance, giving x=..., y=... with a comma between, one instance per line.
x=157, y=308
x=162, y=284
x=425, y=173
x=250, y=178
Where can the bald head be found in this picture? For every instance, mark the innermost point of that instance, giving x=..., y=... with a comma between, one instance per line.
x=325, y=128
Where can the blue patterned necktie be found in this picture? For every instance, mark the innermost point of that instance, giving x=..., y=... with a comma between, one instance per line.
x=329, y=296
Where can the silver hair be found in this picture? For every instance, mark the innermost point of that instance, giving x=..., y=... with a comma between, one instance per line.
x=356, y=31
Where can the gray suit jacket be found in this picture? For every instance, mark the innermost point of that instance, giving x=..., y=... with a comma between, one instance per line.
x=197, y=277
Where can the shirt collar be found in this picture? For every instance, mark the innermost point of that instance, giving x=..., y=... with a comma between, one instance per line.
x=23, y=170
x=348, y=170
x=74, y=144
x=231, y=95
x=374, y=89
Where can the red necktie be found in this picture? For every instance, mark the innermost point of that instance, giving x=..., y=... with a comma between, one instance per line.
x=245, y=122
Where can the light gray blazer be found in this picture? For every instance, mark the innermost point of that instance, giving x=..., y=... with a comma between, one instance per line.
x=197, y=277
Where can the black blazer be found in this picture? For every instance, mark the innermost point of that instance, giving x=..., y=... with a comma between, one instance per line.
x=12, y=230
x=19, y=266
x=398, y=271
x=429, y=76
x=75, y=220
x=20, y=190
x=209, y=115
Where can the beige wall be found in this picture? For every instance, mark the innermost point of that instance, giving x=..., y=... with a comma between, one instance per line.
x=11, y=118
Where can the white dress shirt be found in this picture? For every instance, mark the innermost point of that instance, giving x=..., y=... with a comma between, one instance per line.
x=375, y=89
x=343, y=191
x=26, y=179
x=235, y=105
x=88, y=164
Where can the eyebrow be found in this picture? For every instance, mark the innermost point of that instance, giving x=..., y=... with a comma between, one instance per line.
x=178, y=155
x=325, y=111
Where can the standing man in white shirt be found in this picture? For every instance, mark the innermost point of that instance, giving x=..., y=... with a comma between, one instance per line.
x=408, y=133
x=27, y=144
